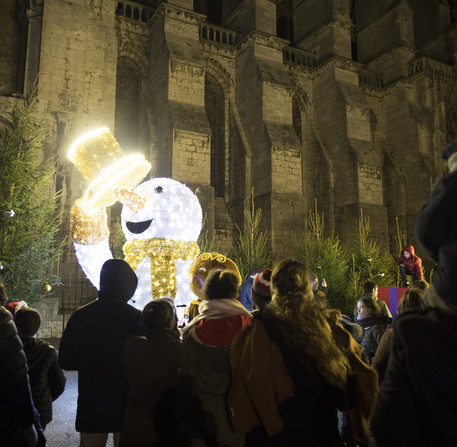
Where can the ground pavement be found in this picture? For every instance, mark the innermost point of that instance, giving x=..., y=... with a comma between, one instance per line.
x=61, y=431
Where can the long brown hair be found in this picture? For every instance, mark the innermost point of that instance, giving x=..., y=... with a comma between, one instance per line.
x=304, y=327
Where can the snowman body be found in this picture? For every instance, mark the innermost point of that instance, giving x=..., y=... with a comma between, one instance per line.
x=171, y=217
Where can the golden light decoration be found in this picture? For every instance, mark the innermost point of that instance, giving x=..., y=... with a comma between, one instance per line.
x=47, y=287
x=162, y=253
x=99, y=158
x=88, y=224
x=202, y=266
x=129, y=198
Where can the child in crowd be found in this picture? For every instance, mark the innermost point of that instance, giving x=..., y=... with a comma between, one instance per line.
x=47, y=380
x=260, y=291
x=151, y=365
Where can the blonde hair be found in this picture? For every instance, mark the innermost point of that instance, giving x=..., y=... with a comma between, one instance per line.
x=302, y=324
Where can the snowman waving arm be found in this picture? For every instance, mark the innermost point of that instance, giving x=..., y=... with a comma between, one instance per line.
x=100, y=159
x=90, y=233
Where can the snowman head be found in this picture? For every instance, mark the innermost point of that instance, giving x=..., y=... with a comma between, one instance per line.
x=171, y=211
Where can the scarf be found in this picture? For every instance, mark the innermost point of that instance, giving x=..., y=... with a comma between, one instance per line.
x=220, y=308
x=162, y=253
x=372, y=320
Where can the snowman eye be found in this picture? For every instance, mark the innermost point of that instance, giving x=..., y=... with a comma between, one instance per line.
x=159, y=189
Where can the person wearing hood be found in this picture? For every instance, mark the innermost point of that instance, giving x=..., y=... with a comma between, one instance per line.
x=434, y=229
x=417, y=404
x=92, y=344
x=409, y=264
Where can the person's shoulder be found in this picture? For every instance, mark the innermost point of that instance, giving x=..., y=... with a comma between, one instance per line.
x=44, y=345
x=426, y=328
x=135, y=340
x=450, y=180
x=132, y=309
x=425, y=321
x=82, y=311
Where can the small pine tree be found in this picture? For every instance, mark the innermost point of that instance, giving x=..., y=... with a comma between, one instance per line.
x=28, y=224
x=205, y=244
x=400, y=242
x=327, y=258
x=369, y=261
x=250, y=246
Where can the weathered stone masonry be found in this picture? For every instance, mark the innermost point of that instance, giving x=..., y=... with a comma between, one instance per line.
x=346, y=102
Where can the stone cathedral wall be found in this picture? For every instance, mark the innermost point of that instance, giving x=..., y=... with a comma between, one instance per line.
x=349, y=104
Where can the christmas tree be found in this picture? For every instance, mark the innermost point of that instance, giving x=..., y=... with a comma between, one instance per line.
x=28, y=223
x=250, y=246
x=327, y=258
x=369, y=261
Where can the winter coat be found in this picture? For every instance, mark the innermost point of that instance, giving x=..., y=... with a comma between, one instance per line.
x=151, y=366
x=16, y=407
x=413, y=264
x=277, y=399
x=374, y=328
x=417, y=403
x=47, y=380
x=435, y=230
x=245, y=291
x=205, y=373
x=92, y=344
x=381, y=357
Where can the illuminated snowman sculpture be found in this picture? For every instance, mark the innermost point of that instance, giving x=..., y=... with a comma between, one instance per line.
x=161, y=219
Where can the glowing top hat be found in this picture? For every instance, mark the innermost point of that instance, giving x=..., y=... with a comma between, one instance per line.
x=100, y=159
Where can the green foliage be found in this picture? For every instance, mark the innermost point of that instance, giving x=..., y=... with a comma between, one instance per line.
x=27, y=239
x=250, y=246
x=117, y=240
x=345, y=269
x=205, y=244
x=327, y=258
x=400, y=242
x=369, y=261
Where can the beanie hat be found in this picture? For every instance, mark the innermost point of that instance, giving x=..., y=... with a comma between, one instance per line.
x=260, y=291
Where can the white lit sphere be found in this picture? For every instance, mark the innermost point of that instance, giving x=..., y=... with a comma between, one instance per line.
x=172, y=211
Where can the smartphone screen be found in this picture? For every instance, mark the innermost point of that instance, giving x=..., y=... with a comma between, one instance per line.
x=181, y=315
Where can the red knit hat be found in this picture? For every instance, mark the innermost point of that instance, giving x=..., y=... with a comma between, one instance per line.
x=260, y=291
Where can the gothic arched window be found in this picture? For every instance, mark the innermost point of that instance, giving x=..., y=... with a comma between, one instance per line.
x=215, y=110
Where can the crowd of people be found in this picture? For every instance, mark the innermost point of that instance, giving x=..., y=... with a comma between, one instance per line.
x=274, y=367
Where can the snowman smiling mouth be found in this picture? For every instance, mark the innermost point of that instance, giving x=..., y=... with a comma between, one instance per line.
x=138, y=227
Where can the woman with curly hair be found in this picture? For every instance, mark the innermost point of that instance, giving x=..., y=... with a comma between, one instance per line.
x=289, y=371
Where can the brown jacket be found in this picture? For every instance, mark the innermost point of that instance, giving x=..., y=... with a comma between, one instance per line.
x=259, y=381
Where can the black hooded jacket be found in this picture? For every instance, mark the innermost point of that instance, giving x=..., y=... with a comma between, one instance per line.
x=92, y=344
x=16, y=407
x=46, y=378
x=435, y=229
